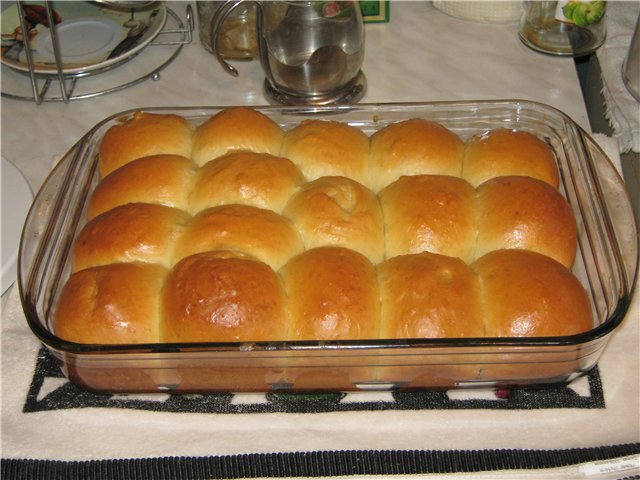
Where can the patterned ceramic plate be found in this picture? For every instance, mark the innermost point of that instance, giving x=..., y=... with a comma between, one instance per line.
x=90, y=36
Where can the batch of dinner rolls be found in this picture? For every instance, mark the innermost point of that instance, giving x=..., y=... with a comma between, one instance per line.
x=238, y=230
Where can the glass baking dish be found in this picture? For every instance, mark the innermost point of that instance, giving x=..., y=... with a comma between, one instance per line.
x=606, y=265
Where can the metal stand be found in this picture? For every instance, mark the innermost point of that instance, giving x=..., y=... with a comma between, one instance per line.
x=40, y=84
x=351, y=94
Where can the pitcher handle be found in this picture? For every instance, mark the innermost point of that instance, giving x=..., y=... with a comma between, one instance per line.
x=218, y=19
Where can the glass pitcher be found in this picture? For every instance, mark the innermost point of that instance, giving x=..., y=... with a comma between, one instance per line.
x=311, y=51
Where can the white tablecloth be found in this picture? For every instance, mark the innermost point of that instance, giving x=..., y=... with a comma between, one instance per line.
x=421, y=55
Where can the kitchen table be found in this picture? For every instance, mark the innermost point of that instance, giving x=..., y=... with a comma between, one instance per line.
x=51, y=429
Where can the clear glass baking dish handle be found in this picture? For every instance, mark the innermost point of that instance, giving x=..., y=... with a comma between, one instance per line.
x=51, y=224
x=618, y=218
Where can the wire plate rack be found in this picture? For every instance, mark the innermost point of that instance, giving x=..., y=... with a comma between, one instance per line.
x=148, y=64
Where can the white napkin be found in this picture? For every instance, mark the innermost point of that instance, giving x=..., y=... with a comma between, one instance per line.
x=621, y=109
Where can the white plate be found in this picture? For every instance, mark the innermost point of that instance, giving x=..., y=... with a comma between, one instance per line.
x=16, y=197
x=81, y=40
x=90, y=36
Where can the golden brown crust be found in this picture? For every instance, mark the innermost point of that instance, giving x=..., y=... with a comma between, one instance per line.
x=143, y=135
x=429, y=213
x=327, y=148
x=332, y=295
x=111, y=304
x=338, y=211
x=260, y=233
x=233, y=129
x=216, y=297
x=355, y=264
x=527, y=294
x=133, y=232
x=525, y=213
x=504, y=152
x=162, y=179
x=413, y=147
x=429, y=296
x=257, y=179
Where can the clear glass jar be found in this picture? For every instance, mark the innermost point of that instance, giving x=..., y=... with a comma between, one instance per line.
x=237, y=38
x=571, y=28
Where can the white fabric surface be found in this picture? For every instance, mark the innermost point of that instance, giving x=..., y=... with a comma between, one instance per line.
x=622, y=110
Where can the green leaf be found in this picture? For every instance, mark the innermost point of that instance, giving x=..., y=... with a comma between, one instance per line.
x=596, y=12
x=580, y=15
x=587, y=13
x=567, y=10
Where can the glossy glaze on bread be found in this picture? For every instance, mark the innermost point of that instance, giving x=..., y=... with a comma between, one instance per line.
x=253, y=233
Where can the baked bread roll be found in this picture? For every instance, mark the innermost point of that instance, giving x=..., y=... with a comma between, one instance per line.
x=219, y=297
x=527, y=294
x=430, y=213
x=413, y=147
x=300, y=247
x=257, y=179
x=429, y=296
x=135, y=232
x=232, y=129
x=162, y=179
x=528, y=214
x=326, y=148
x=504, y=152
x=111, y=304
x=332, y=295
x=338, y=211
x=142, y=135
x=262, y=234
